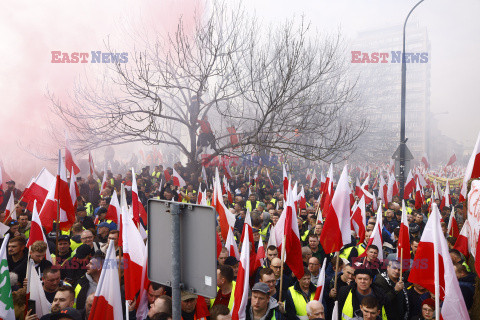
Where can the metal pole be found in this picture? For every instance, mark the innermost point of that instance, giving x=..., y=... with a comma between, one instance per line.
x=402, y=119
x=176, y=290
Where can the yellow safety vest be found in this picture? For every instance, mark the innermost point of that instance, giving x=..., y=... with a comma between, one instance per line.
x=232, y=297
x=300, y=303
x=305, y=235
x=248, y=205
x=347, y=311
x=263, y=232
x=346, y=253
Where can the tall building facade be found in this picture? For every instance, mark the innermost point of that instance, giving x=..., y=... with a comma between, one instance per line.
x=379, y=88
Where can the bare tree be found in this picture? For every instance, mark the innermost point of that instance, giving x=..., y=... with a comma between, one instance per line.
x=284, y=92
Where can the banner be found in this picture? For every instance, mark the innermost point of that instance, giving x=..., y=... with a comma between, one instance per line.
x=473, y=215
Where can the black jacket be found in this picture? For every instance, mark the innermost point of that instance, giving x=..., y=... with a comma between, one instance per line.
x=290, y=305
x=343, y=294
x=396, y=302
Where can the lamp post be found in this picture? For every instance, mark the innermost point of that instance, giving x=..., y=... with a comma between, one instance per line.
x=403, y=141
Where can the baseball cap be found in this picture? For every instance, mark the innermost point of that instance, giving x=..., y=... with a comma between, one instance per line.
x=70, y=313
x=104, y=225
x=63, y=237
x=188, y=295
x=261, y=287
x=10, y=182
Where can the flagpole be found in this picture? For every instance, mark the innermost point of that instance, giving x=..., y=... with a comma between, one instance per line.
x=281, y=268
x=401, y=264
x=436, y=270
x=336, y=270
x=14, y=208
x=58, y=202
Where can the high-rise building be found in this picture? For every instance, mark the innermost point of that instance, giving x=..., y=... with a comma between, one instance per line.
x=379, y=87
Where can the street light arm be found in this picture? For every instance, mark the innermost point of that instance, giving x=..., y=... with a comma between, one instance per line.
x=405, y=24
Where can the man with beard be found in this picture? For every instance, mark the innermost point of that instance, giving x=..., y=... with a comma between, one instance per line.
x=64, y=298
x=396, y=305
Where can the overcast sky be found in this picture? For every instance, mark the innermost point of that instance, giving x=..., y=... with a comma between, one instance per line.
x=30, y=30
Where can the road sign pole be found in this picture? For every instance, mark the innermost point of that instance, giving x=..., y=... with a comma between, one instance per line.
x=176, y=267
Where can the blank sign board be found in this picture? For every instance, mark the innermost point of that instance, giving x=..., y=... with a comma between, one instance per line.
x=198, y=253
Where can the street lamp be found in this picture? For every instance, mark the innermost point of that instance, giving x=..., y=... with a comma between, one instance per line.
x=403, y=141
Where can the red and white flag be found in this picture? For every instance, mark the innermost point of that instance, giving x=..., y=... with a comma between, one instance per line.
x=260, y=255
x=168, y=176
x=409, y=186
x=74, y=191
x=226, y=168
x=38, y=189
x=270, y=180
x=446, y=197
x=242, y=286
x=462, y=240
x=178, y=180
x=419, y=197
x=359, y=219
x=226, y=217
x=231, y=245
x=10, y=212
x=433, y=269
x=133, y=255
x=321, y=282
x=327, y=191
x=376, y=237
x=70, y=158
x=36, y=233
x=285, y=183
x=336, y=230
x=358, y=192
x=452, y=160
x=204, y=175
x=91, y=164
x=107, y=303
x=314, y=180
x=36, y=292
x=302, y=202
x=453, y=230
x=473, y=169
x=139, y=212
x=382, y=191
x=403, y=252
x=104, y=180
x=425, y=161
x=374, y=202
x=113, y=211
x=142, y=301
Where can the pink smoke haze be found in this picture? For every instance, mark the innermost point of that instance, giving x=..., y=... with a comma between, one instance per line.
x=32, y=29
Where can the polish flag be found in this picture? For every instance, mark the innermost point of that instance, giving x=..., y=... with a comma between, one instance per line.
x=452, y=225
x=36, y=292
x=226, y=168
x=365, y=183
x=314, y=180
x=74, y=191
x=382, y=191
x=70, y=158
x=270, y=180
x=260, y=255
x=107, y=303
x=425, y=161
x=403, y=251
x=219, y=245
x=375, y=183
x=322, y=181
x=104, y=180
x=139, y=212
x=142, y=302
x=462, y=240
x=242, y=286
x=231, y=245
x=226, y=218
x=38, y=189
x=10, y=212
x=419, y=197
x=168, y=176
x=336, y=230
x=302, y=203
x=178, y=180
x=90, y=163
x=409, y=186
x=36, y=232
x=359, y=219
x=446, y=197
x=113, y=211
x=204, y=175
x=473, y=169
x=249, y=229
x=133, y=255
x=272, y=240
x=376, y=237
x=320, y=283
x=433, y=269
x=285, y=183
x=452, y=160
x=374, y=203
x=200, y=195
x=358, y=187
x=326, y=191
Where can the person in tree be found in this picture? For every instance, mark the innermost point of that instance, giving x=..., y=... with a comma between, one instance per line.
x=205, y=136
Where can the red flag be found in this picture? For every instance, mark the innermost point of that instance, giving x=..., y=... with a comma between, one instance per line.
x=409, y=186
x=433, y=269
x=425, y=161
x=113, y=211
x=136, y=204
x=336, y=230
x=168, y=176
x=226, y=218
x=233, y=135
x=178, y=180
x=302, y=203
x=69, y=159
x=327, y=192
x=359, y=219
x=462, y=240
x=219, y=245
x=226, y=168
x=242, y=285
x=133, y=255
x=293, y=247
x=107, y=303
x=321, y=282
x=403, y=251
x=452, y=225
x=90, y=163
x=473, y=169
x=452, y=160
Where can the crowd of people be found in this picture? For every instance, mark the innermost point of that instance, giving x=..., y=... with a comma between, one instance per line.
x=361, y=283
